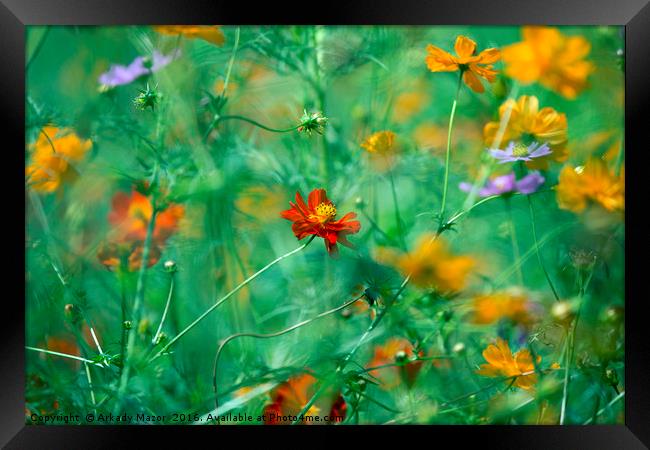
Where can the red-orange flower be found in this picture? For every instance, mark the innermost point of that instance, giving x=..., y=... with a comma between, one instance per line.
x=130, y=218
x=289, y=398
x=318, y=217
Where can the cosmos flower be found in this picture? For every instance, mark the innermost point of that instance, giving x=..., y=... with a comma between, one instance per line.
x=530, y=123
x=490, y=308
x=210, y=33
x=53, y=154
x=381, y=142
x=130, y=216
x=290, y=397
x=502, y=363
x=506, y=184
x=519, y=152
x=471, y=65
x=118, y=75
x=318, y=217
x=431, y=264
x=390, y=353
x=554, y=60
x=593, y=183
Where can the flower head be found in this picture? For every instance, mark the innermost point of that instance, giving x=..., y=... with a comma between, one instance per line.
x=130, y=218
x=520, y=152
x=527, y=121
x=318, y=217
x=210, y=33
x=491, y=308
x=471, y=65
x=551, y=58
x=593, y=183
x=290, y=397
x=502, y=363
x=312, y=122
x=118, y=75
x=507, y=184
x=381, y=142
x=53, y=152
x=431, y=264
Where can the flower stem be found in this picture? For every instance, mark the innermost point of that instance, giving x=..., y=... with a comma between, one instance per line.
x=398, y=217
x=537, y=250
x=137, y=305
x=227, y=296
x=231, y=62
x=513, y=240
x=448, y=154
x=64, y=355
x=266, y=336
x=164, y=315
x=218, y=119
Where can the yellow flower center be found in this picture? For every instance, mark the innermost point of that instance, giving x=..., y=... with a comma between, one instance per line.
x=520, y=150
x=326, y=211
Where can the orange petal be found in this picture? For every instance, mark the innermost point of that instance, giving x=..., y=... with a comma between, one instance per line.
x=464, y=47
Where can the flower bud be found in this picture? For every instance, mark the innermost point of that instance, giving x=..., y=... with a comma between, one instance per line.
x=312, y=122
x=170, y=266
x=613, y=315
x=359, y=202
x=562, y=312
x=611, y=376
x=147, y=98
x=458, y=348
x=400, y=357
x=127, y=324
x=72, y=313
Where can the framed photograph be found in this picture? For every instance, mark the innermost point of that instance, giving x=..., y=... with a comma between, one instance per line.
x=399, y=216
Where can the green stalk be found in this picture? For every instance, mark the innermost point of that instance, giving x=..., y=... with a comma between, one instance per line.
x=537, y=250
x=513, y=240
x=448, y=154
x=218, y=119
x=398, y=217
x=137, y=306
x=164, y=315
x=227, y=296
x=64, y=355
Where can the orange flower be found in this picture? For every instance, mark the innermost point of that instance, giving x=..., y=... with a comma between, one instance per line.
x=388, y=354
x=407, y=104
x=432, y=265
x=210, y=33
x=53, y=152
x=592, y=183
x=491, y=308
x=130, y=217
x=290, y=397
x=528, y=122
x=317, y=217
x=502, y=363
x=471, y=66
x=381, y=142
x=547, y=56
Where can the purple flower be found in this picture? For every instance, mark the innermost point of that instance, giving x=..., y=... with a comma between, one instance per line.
x=519, y=152
x=506, y=184
x=118, y=75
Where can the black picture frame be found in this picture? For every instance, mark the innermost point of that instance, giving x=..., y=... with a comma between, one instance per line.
x=633, y=14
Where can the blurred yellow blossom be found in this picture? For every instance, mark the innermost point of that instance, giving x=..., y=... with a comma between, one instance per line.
x=548, y=56
x=594, y=182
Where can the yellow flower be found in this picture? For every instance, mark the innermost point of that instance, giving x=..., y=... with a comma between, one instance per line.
x=210, y=33
x=530, y=123
x=431, y=264
x=502, y=363
x=53, y=152
x=553, y=59
x=382, y=142
x=472, y=66
x=490, y=308
x=407, y=105
x=594, y=182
